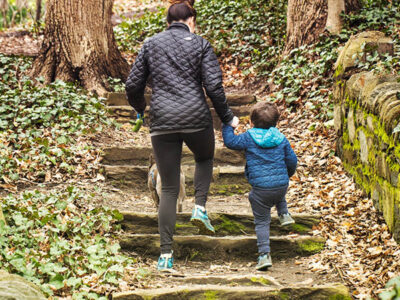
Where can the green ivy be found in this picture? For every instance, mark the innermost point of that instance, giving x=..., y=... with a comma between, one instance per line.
x=40, y=125
x=251, y=32
x=54, y=242
x=19, y=15
x=131, y=33
x=393, y=290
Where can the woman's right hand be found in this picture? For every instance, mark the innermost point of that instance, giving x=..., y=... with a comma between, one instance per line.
x=235, y=122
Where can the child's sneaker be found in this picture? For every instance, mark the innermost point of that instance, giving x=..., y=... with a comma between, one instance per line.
x=165, y=262
x=286, y=219
x=201, y=220
x=264, y=262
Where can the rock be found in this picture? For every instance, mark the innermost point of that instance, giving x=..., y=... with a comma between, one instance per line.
x=126, y=113
x=394, y=178
x=379, y=94
x=231, y=280
x=363, y=146
x=396, y=229
x=225, y=224
x=202, y=247
x=353, y=50
x=14, y=287
x=186, y=292
x=119, y=99
x=376, y=194
x=139, y=155
x=370, y=124
x=360, y=120
x=338, y=120
x=381, y=166
x=351, y=126
x=388, y=202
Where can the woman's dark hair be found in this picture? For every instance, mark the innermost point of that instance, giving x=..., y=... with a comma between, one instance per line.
x=181, y=10
x=264, y=115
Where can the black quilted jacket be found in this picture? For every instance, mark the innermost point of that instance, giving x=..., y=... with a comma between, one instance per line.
x=180, y=64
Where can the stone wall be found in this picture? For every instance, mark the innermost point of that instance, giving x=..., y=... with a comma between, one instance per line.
x=367, y=122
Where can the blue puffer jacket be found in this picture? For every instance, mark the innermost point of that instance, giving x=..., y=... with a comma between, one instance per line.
x=270, y=160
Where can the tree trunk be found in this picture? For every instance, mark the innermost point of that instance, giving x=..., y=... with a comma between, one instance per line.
x=334, y=23
x=38, y=11
x=306, y=20
x=352, y=6
x=3, y=11
x=79, y=45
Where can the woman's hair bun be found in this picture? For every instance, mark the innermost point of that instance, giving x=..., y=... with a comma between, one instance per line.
x=172, y=2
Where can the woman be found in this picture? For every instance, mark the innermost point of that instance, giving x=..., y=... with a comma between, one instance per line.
x=180, y=63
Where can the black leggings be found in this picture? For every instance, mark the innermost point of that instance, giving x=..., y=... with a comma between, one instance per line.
x=167, y=150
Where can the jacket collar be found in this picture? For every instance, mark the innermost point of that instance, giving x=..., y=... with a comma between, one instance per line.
x=178, y=25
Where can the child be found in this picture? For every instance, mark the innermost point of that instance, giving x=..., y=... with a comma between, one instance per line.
x=270, y=161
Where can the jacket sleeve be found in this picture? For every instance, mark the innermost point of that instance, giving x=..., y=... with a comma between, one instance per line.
x=211, y=75
x=136, y=82
x=290, y=159
x=232, y=141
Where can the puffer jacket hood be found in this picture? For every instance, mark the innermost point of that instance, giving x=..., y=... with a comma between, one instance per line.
x=266, y=138
x=180, y=64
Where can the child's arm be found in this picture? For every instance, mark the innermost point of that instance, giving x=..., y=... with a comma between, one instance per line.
x=232, y=141
x=290, y=158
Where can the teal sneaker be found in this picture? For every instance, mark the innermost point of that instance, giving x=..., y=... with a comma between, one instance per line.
x=264, y=262
x=200, y=219
x=165, y=262
x=286, y=219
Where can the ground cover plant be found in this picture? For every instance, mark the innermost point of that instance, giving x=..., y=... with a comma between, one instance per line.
x=60, y=245
x=42, y=128
x=249, y=37
x=246, y=33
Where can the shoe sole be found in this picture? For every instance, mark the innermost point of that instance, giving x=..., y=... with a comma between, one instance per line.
x=202, y=227
x=264, y=267
x=288, y=223
x=166, y=270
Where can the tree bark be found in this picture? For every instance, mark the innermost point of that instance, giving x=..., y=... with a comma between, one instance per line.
x=306, y=20
x=334, y=23
x=79, y=45
x=38, y=11
x=352, y=6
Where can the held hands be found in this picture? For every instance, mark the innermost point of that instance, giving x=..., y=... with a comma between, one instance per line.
x=235, y=122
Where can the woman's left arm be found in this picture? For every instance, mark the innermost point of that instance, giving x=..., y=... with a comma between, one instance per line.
x=136, y=82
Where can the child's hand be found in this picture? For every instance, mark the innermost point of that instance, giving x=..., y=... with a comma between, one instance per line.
x=235, y=122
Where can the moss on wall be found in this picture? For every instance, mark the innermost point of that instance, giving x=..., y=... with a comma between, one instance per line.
x=376, y=171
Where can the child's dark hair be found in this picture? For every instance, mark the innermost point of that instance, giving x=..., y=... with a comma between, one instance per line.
x=264, y=115
x=180, y=10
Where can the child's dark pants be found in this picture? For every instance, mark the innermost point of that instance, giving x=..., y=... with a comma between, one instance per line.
x=261, y=201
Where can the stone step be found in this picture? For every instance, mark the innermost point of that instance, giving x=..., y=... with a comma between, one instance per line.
x=119, y=99
x=140, y=156
x=323, y=292
x=229, y=280
x=224, y=224
x=126, y=113
x=200, y=247
x=227, y=180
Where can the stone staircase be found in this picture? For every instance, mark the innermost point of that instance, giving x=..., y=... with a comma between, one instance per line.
x=220, y=266
x=119, y=106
